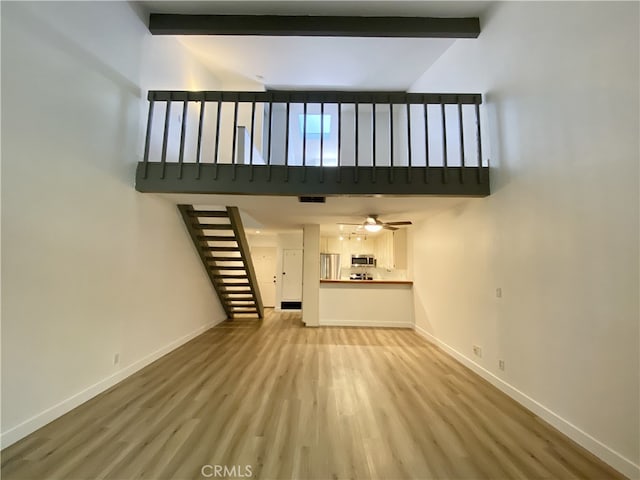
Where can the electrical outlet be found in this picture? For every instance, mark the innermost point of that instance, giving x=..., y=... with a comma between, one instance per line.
x=498, y=292
x=501, y=364
x=116, y=359
x=477, y=351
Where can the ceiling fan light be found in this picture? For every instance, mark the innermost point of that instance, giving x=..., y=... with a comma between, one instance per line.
x=373, y=227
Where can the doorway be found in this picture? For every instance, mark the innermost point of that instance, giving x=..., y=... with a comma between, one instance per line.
x=264, y=262
x=291, y=278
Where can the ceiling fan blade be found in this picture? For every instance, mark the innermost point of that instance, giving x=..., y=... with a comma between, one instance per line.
x=398, y=223
x=387, y=227
x=349, y=224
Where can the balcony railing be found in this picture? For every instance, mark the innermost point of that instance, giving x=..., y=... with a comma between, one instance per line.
x=302, y=143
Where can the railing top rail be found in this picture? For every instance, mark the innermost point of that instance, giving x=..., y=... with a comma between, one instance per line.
x=313, y=96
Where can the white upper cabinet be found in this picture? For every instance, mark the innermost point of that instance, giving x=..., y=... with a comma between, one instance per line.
x=400, y=249
x=389, y=248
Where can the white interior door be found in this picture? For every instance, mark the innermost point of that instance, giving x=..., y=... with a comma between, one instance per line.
x=264, y=263
x=292, y=275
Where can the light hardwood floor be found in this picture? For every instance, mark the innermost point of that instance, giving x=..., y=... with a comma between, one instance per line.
x=308, y=403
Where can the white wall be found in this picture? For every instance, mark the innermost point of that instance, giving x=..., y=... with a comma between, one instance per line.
x=262, y=240
x=90, y=267
x=168, y=65
x=559, y=234
x=311, y=274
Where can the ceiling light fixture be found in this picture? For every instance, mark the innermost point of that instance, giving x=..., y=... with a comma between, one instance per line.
x=373, y=227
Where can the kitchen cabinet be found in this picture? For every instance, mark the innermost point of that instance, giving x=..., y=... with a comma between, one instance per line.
x=347, y=247
x=384, y=249
x=389, y=248
x=400, y=249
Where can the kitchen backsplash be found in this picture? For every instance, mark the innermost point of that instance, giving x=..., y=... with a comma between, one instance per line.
x=377, y=273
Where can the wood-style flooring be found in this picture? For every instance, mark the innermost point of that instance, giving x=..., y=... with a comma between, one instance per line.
x=308, y=403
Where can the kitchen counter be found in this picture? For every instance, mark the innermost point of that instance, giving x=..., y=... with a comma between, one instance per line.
x=379, y=282
x=366, y=303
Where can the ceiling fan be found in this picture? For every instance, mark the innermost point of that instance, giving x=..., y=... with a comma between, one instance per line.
x=373, y=224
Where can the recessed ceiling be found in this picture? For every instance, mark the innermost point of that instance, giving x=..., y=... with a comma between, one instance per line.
x=321, y=62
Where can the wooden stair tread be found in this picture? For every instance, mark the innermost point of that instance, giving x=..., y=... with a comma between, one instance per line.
x=209, y=213
x=213, y=226
x=217, y=238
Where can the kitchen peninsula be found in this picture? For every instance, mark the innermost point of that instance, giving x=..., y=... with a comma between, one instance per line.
x=365, y=281
x=366, y=303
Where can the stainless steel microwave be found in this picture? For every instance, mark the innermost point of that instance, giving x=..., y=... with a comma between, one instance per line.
x=363, y=261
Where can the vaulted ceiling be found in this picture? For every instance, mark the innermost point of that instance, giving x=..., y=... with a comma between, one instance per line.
x=322, y=63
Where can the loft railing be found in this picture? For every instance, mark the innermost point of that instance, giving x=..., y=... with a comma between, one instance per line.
x=286, y=142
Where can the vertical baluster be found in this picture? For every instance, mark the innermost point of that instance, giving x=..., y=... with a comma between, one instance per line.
x=479, y=141
x=183, y=129
x=199, y=146
x=269, y=136
x=304, y=141
x=286, y=142
x=234, y=160
x=426, y=143
x=165, y=138
x=373, y=144
x=357, y=121
x=216, y=150
x=460, y=122
x=321, y=142
x=339, y=142
x=147, y=141
x=409, y=142
x=390, y=141
x=253, y=126
x=444, y=143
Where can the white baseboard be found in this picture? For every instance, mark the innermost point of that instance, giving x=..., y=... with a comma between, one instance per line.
x=606, y=454
x=368, y=323
x=41, y=419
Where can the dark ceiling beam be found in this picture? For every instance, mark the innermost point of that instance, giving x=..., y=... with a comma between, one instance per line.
x=314, y=26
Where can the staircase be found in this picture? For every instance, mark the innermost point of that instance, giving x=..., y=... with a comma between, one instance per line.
x=219, y=238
